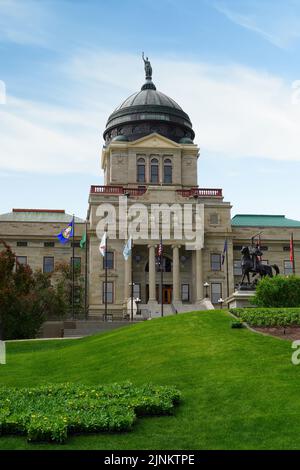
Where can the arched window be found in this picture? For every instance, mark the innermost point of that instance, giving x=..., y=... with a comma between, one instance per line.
x=167, y=171
x=154, y=170
x=141, y=171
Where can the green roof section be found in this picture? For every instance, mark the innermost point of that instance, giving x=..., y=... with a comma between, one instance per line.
x=38, y=215
x=260, y=220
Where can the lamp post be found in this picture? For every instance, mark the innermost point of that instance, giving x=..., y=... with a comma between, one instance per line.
x=137, y=301
x=206, y=286
x=131, y=300
x=220, y=301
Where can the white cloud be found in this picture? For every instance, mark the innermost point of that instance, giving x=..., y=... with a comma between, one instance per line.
x=236, y=111
x=39, y=138
x=275, y=22
x=22, y=22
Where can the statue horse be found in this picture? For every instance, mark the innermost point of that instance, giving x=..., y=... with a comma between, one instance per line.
x=252, y=264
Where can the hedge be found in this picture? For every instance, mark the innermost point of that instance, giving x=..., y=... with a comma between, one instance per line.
x=51, y=412
x=268, y=316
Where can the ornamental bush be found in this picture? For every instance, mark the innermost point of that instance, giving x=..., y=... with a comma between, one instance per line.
x=49, y=413
x=268, y=316
x=27, y=299
x=278, y=291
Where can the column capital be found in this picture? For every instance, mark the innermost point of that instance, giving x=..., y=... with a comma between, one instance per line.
x=152, y=246
x=176, y=246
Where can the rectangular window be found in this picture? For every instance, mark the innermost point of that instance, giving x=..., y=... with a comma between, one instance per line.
x=48, y=264
x=216, y=292
x=21, y=260
x=237, y=247
x=168, y=174
x=214, y=219
x=110, y=292
x=185, y=292
x=49, y=244
x=77, y=262
x=22, y=243
x=75, y=244
x=288, y=267
x=141, y=173
x=215, y=262
x=154, y=173
x=265, y=262
x=137, y=291
x=109, y=258
x=237, y=267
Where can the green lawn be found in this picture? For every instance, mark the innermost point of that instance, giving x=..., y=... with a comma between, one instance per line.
x=240, y=389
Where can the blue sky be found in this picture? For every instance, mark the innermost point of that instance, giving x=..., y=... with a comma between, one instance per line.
x=232, y=65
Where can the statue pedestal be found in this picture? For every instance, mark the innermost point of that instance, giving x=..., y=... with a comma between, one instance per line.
x=240, y=299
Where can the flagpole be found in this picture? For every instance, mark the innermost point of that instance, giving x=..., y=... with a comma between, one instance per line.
x=161, y=277
x=227, y=270
x=73, y=267
x=293, y=254
x=131, y=281
x=105, y=290
x=86, y=273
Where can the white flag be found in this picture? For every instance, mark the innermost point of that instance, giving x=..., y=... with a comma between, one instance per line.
x=102, y=246
x=127, y=249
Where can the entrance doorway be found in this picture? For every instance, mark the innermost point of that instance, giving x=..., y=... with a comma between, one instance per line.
x=167, y=293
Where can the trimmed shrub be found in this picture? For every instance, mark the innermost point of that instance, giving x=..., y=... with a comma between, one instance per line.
x=268, y=316
x=49, y=413
x=237, y=324
x=278, y=291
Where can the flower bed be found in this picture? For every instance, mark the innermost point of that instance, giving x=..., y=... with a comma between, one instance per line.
x=268, y=316
x=51, y=412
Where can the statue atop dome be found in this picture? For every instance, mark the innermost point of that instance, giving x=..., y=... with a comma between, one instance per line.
x=148, y=68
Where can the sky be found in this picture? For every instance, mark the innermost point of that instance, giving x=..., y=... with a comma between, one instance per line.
x=232, y=65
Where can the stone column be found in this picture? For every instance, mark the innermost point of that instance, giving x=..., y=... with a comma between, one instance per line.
x=152, y=286
x=199, y=276
x=127, y=279
x=176, y=273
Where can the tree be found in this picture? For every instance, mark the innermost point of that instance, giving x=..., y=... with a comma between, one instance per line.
x=27, y=299
x=278, y=291
x=64, y=285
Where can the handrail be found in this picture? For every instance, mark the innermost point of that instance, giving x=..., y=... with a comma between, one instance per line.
x=200, y=192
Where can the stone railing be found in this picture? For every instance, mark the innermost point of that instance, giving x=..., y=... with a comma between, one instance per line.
x=119, y=190
x=200, y=192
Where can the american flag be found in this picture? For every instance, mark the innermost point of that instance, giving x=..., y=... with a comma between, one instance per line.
x=160, y=249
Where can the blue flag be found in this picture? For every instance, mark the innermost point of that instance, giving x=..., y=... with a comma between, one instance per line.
x=67, y=233
x=224, y=251
x=127, y=248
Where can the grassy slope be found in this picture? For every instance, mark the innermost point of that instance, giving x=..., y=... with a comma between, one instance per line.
x=240, y=388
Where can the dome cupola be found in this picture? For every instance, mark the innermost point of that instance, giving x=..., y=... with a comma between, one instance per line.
x=148, y=111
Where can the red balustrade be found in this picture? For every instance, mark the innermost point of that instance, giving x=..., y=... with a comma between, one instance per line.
x=118, y=190
x=192, y=192
x=200, y=192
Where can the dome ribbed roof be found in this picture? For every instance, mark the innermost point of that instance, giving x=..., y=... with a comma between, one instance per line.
x=148, y=97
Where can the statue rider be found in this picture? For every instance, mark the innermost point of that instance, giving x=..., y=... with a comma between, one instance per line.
x=256, y=257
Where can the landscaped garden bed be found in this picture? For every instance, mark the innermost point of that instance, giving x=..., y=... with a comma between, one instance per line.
x=51, y=412
x=268, y=317
x=280, y=322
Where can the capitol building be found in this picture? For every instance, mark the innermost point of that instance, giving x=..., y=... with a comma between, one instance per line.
x=149, y=158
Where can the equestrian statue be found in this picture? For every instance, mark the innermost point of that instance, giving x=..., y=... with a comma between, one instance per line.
x=251, y=263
